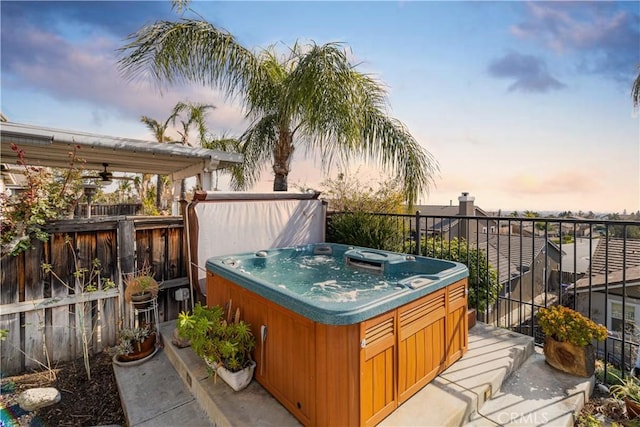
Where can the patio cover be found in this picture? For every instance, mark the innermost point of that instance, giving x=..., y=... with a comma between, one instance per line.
x=51, y=147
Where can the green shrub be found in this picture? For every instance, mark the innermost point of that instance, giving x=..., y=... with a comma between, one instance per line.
x=49, y=194
x=483, y=279
x=216, y=340
x=357, y=205
x=367, y=230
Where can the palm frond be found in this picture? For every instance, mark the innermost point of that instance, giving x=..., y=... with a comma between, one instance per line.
x=257, y=143
x=188, y=51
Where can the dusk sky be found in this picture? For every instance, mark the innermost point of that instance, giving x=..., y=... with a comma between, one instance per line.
x=525, y=105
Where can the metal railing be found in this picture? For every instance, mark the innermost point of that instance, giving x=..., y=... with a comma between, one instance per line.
x=590, y=265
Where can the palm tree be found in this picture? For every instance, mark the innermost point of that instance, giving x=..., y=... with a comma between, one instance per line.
x=195, y=115
x=227, y=144
x=159, y=132
x=311, y=98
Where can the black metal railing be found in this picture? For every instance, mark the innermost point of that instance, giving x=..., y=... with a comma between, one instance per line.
x=590, y=265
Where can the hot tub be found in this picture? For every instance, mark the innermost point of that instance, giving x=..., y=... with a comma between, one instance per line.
x=345, y=334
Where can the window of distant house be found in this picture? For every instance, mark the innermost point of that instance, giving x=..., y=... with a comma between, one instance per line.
x=631, y=313
x=484, y=229
x=493, y=229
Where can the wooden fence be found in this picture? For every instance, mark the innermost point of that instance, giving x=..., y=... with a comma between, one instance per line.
x=108, y=210
x=48, y=319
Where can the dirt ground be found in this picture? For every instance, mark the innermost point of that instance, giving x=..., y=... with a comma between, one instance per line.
x=82, y=403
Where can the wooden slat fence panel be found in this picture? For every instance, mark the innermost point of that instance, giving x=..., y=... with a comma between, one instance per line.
x=59, y=343
x=44, y=317
x=10, y=347
x=34, y=321
x=107, y=308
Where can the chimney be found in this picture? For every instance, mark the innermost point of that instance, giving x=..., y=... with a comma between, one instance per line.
x=465, y=208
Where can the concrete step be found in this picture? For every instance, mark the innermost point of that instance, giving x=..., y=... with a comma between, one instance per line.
x=500, y=368
x=536, y=395
x=152, y=394
x=456, y=394
x=252, y=406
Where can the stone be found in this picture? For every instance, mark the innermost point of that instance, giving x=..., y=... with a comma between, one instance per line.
x=36, y=398
x=179, y=342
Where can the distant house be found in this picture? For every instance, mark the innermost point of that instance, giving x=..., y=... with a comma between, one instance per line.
x=615, y=268
x=12, y=179
x=576, y=229
x=576, y=258
x=527, y=265
x=524, y=265
x=450, y=228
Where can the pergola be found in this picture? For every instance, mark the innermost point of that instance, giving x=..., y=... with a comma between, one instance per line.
x=51, y=147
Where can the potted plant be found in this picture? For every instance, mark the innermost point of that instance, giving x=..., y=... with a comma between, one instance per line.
x=134, y=344
x=628, y=390
x=141, y=288
x=568, y=339
x=225, y=345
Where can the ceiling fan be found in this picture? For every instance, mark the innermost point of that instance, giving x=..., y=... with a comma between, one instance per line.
x=105, y=177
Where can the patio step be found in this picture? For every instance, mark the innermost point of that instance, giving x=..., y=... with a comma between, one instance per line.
x=501, y=380
x=536, y=395
x=457, y=393
x=223, y=406
x=152, y=394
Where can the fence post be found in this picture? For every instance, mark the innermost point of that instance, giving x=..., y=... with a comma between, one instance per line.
x=418, y=235
x=126, y=258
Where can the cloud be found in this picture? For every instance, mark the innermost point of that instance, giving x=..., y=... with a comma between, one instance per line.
x=528, y=72
x=117, y=18
x=564, y=182
x=605, y=36
x=36, y=58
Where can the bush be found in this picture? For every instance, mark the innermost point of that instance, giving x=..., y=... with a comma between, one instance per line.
x=49, y=195
x=357, y=221
x=216, y=340
x=483, y=279
x=365, y=229
x=567, y=325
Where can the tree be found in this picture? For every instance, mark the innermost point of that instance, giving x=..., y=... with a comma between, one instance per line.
x=484, y=287
x=312, y=97
x=195, y=116
x=359, y=213
x=225, y=143
x=159, y=132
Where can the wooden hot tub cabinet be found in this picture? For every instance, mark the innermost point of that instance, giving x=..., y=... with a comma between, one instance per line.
x=357, y=374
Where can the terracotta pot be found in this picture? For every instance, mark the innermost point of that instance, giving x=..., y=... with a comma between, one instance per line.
x=146, y=348
x=471, y=318
x=633, y=408
x=572, y=359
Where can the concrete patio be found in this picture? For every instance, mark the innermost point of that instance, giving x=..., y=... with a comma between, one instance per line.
x=502, y=380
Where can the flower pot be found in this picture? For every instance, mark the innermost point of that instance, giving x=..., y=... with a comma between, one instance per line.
x=237, y=380
x=145, y=349
x=633, y=408
x=572, y=359
x=471, y=318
